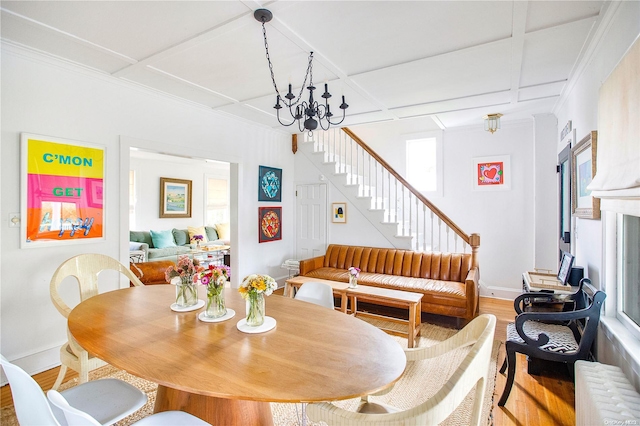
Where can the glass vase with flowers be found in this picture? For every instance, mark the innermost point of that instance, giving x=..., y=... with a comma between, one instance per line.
x=197, y=239
x=214, y=278
x=354, y=273
x=184, y=276
x=253, y=289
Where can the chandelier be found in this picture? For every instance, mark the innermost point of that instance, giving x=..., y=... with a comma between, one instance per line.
x=492, y=122
x=307, y=113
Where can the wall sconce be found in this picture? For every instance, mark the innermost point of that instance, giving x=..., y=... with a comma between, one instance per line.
x=492, y=122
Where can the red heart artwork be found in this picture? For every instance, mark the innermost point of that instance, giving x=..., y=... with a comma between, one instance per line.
x=491, y=173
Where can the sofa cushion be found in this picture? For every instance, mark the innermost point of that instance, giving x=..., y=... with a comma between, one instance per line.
x=180, y=236
x=212, y=235
x=223, y=231
x=162, y=239
x=168, y=252
x=193, y=231
x=141, y=237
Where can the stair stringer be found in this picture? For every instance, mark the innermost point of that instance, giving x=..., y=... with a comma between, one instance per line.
x=351, y=191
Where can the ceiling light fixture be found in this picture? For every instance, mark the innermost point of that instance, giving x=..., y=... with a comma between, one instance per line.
x=309, y=113
x=492, y=122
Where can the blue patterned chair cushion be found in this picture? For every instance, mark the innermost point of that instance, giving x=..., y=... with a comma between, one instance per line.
x=560, y=337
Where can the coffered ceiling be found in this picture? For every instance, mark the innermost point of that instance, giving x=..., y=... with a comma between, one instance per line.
x=449, y=62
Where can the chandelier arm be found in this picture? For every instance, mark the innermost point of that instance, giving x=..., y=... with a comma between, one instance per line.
x=344, y=114
x=280, y=121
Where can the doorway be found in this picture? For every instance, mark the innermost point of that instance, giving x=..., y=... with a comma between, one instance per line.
x=311, y=223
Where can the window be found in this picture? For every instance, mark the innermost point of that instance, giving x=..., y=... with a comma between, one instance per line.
x=217, y=210
x=132, y=199
x=424, y=163
x=628, y=296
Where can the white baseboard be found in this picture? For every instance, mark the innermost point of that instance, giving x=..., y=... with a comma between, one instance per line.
x=36, y=363
x=507, y=293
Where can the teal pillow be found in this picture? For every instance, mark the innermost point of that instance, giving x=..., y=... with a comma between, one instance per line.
x=212, y=235
x=180, y=236
x=162, y=239
x=140, y=237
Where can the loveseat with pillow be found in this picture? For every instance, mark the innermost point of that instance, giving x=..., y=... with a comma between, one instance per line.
x=447, y=280
x=168, y=244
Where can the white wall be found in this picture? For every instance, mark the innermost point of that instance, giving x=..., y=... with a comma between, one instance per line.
x=148, y=173
x=581, y=107
x=622, y=27
x=47, y=97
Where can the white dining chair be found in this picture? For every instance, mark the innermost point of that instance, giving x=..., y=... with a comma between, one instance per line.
x=317, y=293
x=108, y=400
x=76, y=417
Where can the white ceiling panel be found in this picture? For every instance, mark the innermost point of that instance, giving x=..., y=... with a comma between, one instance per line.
x=547, y=14
x=149, y=78
x=489, y=100
x=251, y=114
x=540, y=91
x=235, y=64
x=34, y=36
x=550, y=55
x=522, y=111
x=134, y=28
x=365, y=36
x=474, y=71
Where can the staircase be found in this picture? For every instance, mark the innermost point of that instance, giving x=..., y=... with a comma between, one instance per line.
x=400, y=212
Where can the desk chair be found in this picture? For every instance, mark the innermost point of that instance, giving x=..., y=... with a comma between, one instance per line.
x=553, y=336
x=85, y=268
x=78, y=417
x=317, y=293
x=472, y=371
x=108, y=400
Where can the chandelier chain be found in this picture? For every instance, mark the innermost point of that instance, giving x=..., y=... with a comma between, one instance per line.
x=273, y=78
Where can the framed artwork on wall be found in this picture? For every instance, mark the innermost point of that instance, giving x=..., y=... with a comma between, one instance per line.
x=62, y=197
x=583, y=169
x=269, y=224
x=339, y=213
x=492, y=173
x=269, y=184
x=175, y=198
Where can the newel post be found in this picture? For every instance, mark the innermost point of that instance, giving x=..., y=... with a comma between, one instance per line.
x=294, y=143
x=474, y=242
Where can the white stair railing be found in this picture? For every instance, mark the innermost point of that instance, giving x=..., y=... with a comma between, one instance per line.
x=416, y=217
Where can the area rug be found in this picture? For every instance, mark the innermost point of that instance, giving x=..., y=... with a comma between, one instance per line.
x=421, y=380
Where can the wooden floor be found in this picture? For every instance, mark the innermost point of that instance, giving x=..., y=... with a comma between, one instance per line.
x=534, y=400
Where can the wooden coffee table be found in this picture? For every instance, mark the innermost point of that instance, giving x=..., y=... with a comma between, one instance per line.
x=377, y=295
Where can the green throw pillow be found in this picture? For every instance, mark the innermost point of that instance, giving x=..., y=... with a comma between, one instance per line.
x=162, y=239
x=180, y=236
x=212, y=235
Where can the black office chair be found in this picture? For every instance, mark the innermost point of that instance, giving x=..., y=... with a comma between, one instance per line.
x=553, y=336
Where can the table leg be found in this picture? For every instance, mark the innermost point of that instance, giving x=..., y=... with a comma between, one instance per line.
x=412, y=325
x=217, y=411
x=343, y=303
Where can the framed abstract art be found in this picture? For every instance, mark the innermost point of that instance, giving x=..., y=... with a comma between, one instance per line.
x=492, y=173
x=269, y=224
x=339, y=213
x=269, y=184
x=62, y=197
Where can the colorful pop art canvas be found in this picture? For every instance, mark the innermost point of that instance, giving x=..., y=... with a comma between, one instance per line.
x=492, y=173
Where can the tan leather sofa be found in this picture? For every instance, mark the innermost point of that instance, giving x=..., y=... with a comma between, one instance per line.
x=449, y=284
x=151, y=272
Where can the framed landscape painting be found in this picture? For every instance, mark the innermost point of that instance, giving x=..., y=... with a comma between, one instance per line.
x=583, y=169
x=269, y=224
x=175, y=197
x=269, y=184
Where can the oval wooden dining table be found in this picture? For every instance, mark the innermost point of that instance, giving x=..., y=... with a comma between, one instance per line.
x=225, y=376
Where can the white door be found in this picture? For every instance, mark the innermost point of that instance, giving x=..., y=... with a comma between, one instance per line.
x=311, y=215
